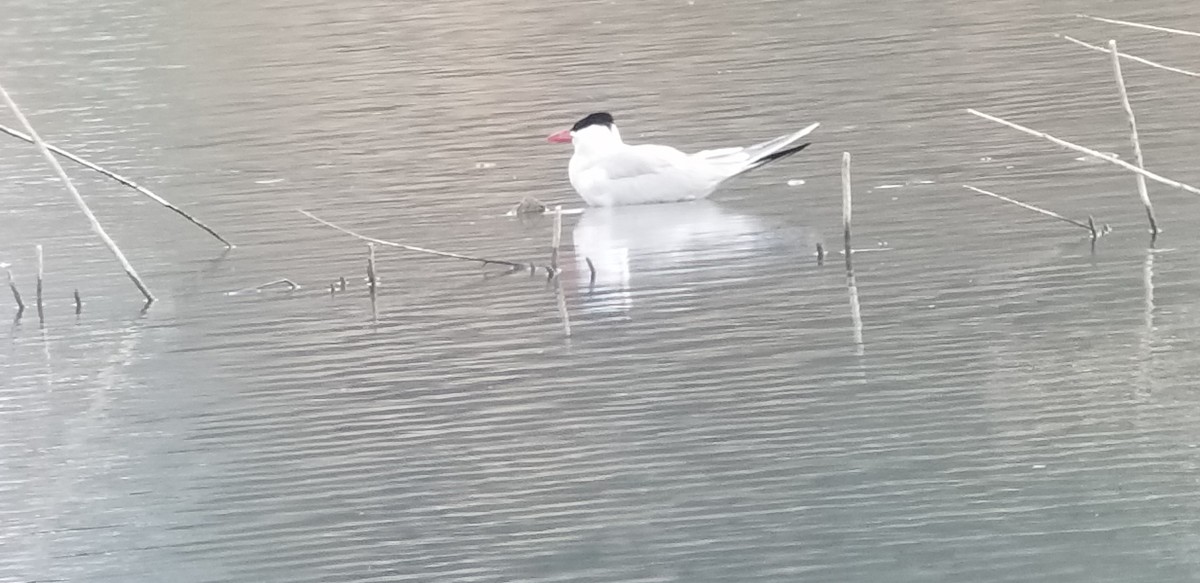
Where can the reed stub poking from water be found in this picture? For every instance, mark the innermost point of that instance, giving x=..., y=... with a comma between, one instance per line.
x=1090, y=226
x=83, y=206
x=1143, y=193
x=846, y=204
x=1133, y=58
x=371, y=281
x=123, y=180
x=1090, y=152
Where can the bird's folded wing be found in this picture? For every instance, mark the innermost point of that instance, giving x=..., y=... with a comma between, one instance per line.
x=641, y=160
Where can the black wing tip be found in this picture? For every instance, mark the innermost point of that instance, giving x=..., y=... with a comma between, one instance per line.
x=778, y=155
x=599, y=118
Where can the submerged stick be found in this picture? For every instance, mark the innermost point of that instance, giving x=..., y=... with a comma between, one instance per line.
x=414, y=248
x=371, y=265
x=123, y=180
x=1143, y=193
x=292, y=286
x=15, y=292
x=1129, y=57
x=62, y=175
x=78, y=303
x=40, y=272
x=556, y=238
x=820, y=254
x=846, y=203
x=1139, y=25
x=1035, y=209
x=1088, y=151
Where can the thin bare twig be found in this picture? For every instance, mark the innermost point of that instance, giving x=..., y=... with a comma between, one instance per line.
x=1088, y=151
x=1035, y=209
x=62, y=175
x=123, y=180
x=1138, y=25
x=1131, y=57
x=414, y=248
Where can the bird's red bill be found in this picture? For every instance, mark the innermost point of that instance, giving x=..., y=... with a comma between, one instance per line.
x=560, y=137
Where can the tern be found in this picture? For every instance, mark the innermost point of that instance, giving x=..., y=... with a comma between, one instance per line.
x=606, y=171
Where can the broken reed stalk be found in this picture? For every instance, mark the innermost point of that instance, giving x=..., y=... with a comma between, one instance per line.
x=556, y=238
x=1131, y=57
x=83, y=206
x=1139, y=25
x=1088, y=151
x=1089, y=226
x=416, y=249
x=371, y=265
x=40, y=273
x=78, y=303
x=1143, y=193
x=15, y=292
x=123, y=180
x=292, y=286
x=846, y=203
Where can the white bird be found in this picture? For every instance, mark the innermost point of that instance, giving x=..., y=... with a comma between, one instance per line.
x=606, y=171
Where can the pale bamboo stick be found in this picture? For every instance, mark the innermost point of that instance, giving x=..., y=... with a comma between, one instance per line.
x=1143, y=193
x=1139, y=25
x=1088, y=151
x=1131, y=57
x=62, y=175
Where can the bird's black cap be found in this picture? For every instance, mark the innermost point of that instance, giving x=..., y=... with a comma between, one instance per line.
x=593, y=119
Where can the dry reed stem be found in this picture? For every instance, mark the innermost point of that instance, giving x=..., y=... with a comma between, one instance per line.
x=414, y=248
x=1093, y=153
x=123, y=180
x=78, y=303
x=83, y=206
x=1139, y=25
x=1143, y=193
x=1131, y=57
x=1035, y=209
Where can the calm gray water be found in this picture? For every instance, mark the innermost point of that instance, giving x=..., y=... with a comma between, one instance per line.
x=1017, y=406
